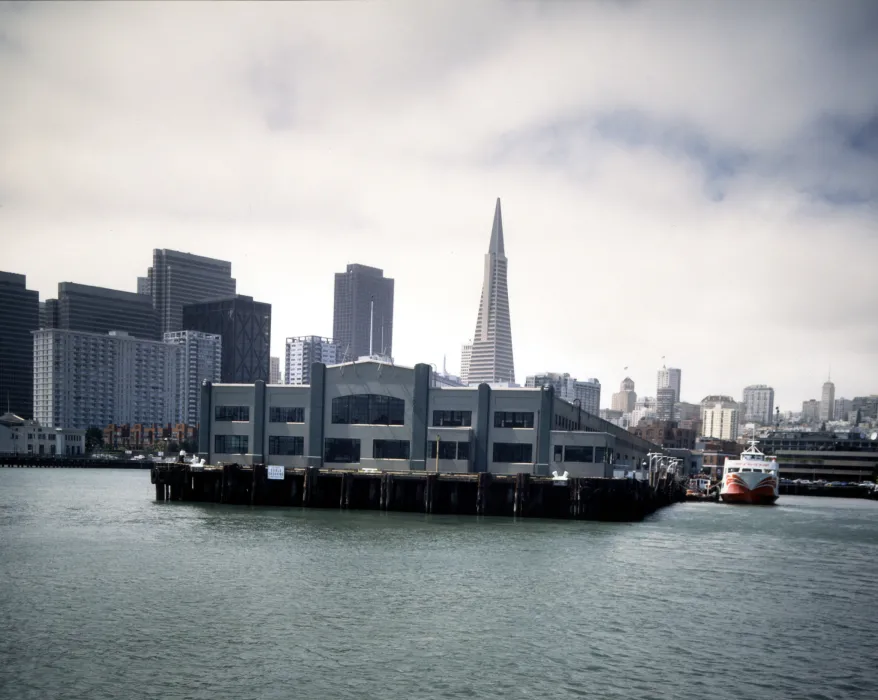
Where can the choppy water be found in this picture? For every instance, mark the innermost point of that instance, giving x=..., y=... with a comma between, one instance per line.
x=105, y=593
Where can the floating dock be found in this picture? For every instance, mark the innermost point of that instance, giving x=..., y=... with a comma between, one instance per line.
x=520, y=495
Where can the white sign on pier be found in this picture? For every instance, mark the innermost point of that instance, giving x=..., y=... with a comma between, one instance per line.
x=276, y=473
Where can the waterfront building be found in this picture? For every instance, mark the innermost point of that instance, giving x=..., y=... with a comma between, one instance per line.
x=200, y=360
x=177, y=279
x=720, y=422
x=83, y=307
x=19, y=316
x=827, y=401
x=245, y=327
x=625, y=399
x=304, y=351
x=466, y=356
x=362, y=321
x=584, y=393
x=665, y=401
x=274, y=370
x=492, y=359
x=848, y=456
x=85, y=379
x=378, y=415
x=758, y=404
x=669, y=378
x=810, y=411
x=28, y=437
x=149, y=436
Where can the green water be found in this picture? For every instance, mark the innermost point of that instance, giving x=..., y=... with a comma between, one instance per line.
x=105, y=593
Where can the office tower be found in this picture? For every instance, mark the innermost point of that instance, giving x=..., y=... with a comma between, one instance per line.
x=82, y=307
x=713, y=399
x=842, y=409
x=665, y=400
x=143, y=286
x=827, y=401
x=200, y=359
x=363, y=304
x=90, y=379
x=274, y=370
x=758, y=403
x=466, y=356
x=720, y=422
x=586, y=394
x=177, y=279
x=625, y=399
x=811, y=411
x=669, y=377
x=19, y=316
x=245, y=327
x=305, y=350
x=492, y=359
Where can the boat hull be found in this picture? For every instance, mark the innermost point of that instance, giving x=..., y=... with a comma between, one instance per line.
x=755, y=498
x=737, y=490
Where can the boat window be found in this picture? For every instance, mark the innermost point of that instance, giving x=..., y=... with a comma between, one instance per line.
x=732, y=470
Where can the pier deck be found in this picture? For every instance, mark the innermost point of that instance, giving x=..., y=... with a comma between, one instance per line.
x=521, y=495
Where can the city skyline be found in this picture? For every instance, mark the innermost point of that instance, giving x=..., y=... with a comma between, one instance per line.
x=601, y=195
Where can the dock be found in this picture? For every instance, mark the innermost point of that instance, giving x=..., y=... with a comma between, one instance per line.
x=518, y=495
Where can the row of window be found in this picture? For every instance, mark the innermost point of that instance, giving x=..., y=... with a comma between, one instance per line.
x=449, y=449
x=368, y=409
x=276, y=414
x=579, y=453
x=513, y=419
x=453, y=419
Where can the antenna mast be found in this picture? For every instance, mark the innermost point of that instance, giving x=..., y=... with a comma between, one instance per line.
x=371, y=323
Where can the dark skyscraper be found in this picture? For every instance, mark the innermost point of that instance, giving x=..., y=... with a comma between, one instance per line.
x=81, y=307
x=355, y=291
x=176, y=279
x=245, y=327
x=19, y=315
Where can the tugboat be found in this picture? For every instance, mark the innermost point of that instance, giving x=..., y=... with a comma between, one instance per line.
x=752, y=479
x=698, y=489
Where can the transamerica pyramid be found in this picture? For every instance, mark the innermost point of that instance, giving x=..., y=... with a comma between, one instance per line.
x=491, y=359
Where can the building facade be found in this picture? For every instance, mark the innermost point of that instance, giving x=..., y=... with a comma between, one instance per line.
x=88, y=379
x=304, y=351
x=850, y=456
x=810, y=411
x=82, y=307
x=669, y=378
x=492, y=360
x=665, y=402
x=586, y=394
x=177, y=279
x=843, y=409
x=827, y=401
x=28, y=437
x=713, y=399
x=720, y=422
x=382, y=416
x=143, y=287
x=19, y=317
x=362, y=321
x=625, y=399
x=466, y=356
x=274, y=370
x=668, y=434
x=245, y=327
x=758, y=404
x=200, y=360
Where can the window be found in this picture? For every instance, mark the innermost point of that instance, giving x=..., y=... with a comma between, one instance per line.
x=337, y=450
x=463, y=450
x=513, y=419
x=368, y=409
x=578, y=454
x=231, y=444
x=232, y=413
x=390, y=449
x=453, y=419
x=600, y=454
x=559, y=452
x=520, y=452
x=291, y=445
x=285, y=414
x=447, y=449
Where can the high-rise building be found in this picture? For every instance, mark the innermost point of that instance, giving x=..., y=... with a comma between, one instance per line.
x=303, y=351
x=687, y=411
x=720, y=422
x=274, y=370
x=177, y=279
x=842, y=409
x=665, y=400
x=143, y=286
x=82, y=307
x=19, y=316
x=200, y=359
x=245, y=327
x=587, y=393
x=466, y=356
x=625, y=398
x=644, y=408
x=758, y=404
x=91, y=379
x=492, y=359
x=669, y=377
x=713, y=399
x=362, y=322
x=811, y=411
x=827, y=401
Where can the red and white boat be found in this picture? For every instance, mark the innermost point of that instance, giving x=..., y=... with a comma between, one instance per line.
x=751, y=479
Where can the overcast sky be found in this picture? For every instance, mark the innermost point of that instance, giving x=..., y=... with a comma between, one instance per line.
x=691, y=180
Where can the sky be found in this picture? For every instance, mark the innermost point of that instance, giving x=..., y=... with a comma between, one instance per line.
x=694, y=184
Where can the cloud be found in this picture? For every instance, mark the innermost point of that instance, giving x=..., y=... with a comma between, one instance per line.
x=694, y=182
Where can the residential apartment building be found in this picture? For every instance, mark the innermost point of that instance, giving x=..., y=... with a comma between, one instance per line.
x=810, y=411
x=245, y=327
x=274, y=370
x=19, y=317
x=758, y=404
x=362, y=321
x=842, y=409
x=720, y=422
x=669, y=378
x=304, y=351
x=713, y=399
x=82, y=307
x=200, y=360
x=85, y=379
x=625, y=399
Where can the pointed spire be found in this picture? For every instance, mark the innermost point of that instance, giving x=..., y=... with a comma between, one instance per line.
x=497, y=232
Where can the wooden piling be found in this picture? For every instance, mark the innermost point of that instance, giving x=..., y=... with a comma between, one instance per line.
x=522, y=486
